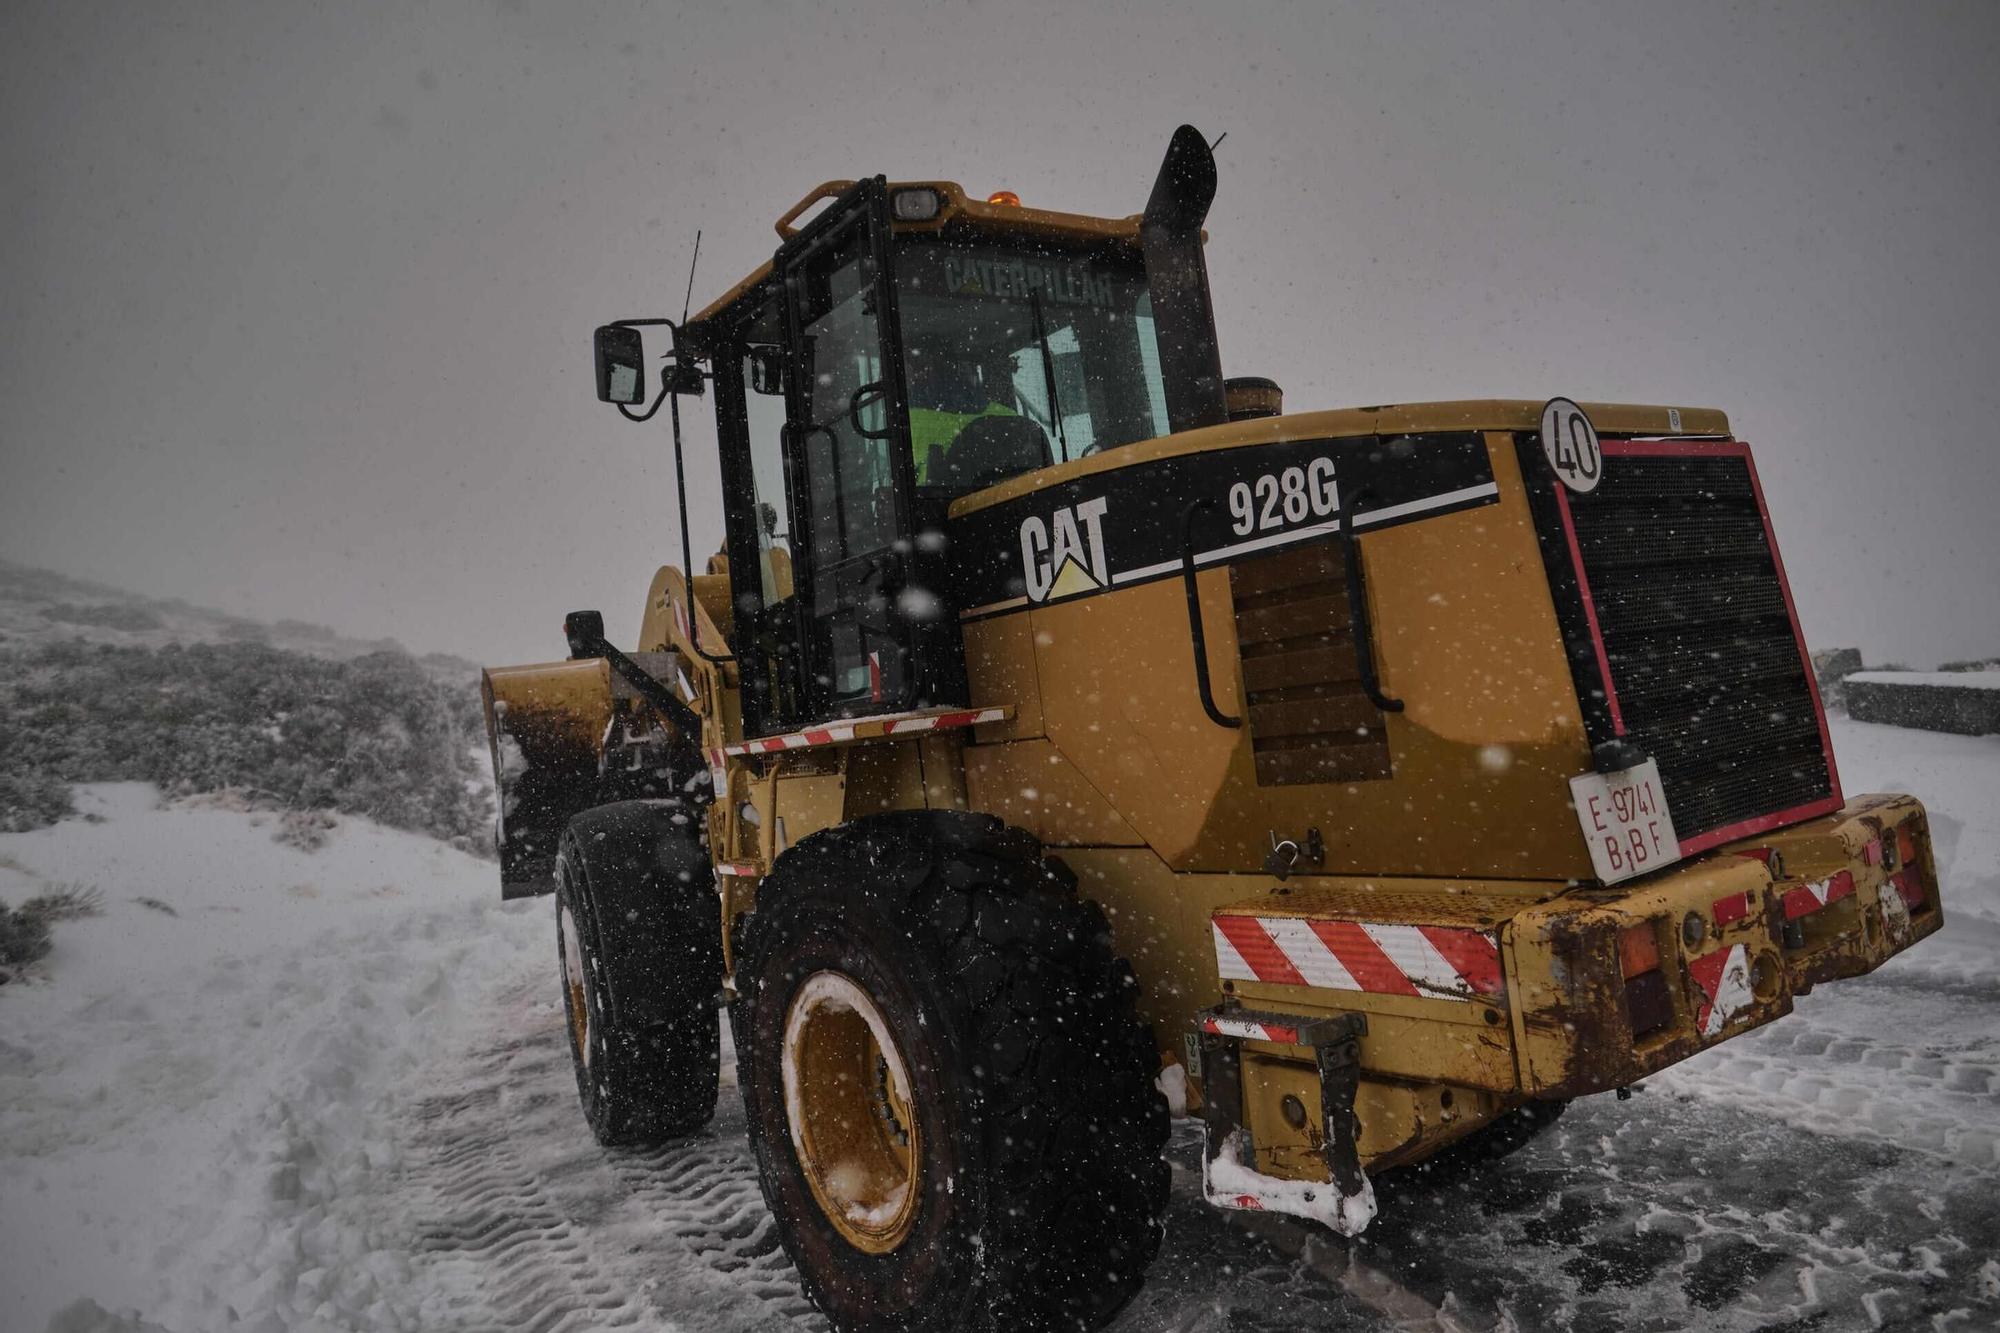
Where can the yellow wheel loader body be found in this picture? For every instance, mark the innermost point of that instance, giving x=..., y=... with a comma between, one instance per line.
x=1427, y=760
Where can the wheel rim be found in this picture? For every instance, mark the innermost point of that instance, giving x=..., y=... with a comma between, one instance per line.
x=573, y=976
x=847, y=1101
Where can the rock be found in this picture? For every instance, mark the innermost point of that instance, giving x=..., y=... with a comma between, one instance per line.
x=1967, y=703
x=1832, y=667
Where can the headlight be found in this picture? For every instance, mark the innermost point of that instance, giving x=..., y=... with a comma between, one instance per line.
x=916, y=205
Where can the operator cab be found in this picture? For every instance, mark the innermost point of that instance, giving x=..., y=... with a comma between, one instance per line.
x=904, y=348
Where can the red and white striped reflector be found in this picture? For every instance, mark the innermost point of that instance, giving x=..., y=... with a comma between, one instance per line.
x=1435, y=962
x=867, y=728
x=1723, y=978
x=1225, y=1026
x=1805, y=898
x=797, y=740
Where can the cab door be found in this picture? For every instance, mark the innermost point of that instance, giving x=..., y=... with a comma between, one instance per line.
x=848, y=455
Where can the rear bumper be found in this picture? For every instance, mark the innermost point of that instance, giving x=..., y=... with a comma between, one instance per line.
x=1854, y=889
x=1475, y=999
x=1738, y=934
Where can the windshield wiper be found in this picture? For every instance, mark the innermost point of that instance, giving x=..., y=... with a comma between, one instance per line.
x=1048, y=370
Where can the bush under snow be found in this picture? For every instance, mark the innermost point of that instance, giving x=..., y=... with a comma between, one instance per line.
x=376, y=735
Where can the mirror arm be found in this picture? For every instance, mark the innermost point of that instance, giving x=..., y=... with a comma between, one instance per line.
x=670, y=391
x=666, y=381
x=650, y=412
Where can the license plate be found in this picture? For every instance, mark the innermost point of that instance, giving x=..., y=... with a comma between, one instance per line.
x=1625, y=821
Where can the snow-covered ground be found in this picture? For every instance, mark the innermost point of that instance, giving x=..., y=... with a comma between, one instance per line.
x=286, y=1090
x=199, y=1094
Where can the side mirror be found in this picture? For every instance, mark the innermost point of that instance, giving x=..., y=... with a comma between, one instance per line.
x=767, y=370
x=621, y=365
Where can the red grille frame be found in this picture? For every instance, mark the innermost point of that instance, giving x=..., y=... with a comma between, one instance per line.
x=1703, y=839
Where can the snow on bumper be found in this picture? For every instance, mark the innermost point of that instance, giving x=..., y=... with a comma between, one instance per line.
x=1341, y=1199
x=1227, y=1183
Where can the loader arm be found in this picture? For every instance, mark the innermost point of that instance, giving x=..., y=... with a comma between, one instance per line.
x=603, y=726
x=585, y=631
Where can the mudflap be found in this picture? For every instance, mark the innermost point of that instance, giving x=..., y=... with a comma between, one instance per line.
x=1344, y=1201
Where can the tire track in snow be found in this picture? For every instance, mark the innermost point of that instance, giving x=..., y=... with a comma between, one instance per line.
x=526, y=1224
x=1672, y=1212
x=495, y=1238
x=1908, y=1055
x=1688, y=1207
x=706, y=1193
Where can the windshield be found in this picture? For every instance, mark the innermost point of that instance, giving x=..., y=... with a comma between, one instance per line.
x=1020, y=356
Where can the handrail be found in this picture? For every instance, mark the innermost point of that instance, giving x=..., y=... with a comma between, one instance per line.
x=824, y=190
x=1357, y=608
x=687, y=550
x=1195, y=631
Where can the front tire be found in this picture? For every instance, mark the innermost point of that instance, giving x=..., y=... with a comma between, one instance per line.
x=950, y=1096
x=639, y=949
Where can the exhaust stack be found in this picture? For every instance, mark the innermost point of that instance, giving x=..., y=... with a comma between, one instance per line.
x=1177, y=276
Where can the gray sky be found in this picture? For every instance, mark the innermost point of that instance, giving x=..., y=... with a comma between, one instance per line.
x=297, y=298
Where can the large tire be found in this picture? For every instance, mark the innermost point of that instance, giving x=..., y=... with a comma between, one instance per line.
x=1035, y=1132
x=639, y=945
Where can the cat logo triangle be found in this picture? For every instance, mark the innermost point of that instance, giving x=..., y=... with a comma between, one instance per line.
x=1072, y=579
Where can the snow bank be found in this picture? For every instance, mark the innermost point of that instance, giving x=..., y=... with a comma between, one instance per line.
x=1955, y=777
x=194, y=1089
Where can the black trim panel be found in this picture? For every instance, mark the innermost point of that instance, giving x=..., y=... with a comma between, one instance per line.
x=1539, y=481
x=1122, y=528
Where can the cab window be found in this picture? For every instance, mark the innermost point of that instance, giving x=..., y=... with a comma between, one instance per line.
x=1017, y=357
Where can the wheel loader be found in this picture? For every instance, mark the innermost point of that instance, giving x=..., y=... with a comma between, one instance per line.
x=1067, y=738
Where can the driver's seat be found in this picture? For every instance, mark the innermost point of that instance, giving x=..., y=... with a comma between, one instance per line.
x=991, y=449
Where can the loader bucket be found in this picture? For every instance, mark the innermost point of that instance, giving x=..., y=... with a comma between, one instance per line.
x=545, y=727
x=555, y=713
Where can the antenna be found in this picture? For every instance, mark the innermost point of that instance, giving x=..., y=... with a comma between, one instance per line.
x=680, y=477
x=688, y=300
x=1218, y=141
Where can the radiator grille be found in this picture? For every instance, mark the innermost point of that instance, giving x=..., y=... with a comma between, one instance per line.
x=1703, y=654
